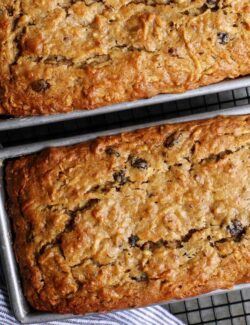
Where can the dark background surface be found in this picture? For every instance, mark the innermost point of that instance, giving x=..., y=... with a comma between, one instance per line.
x=225, y=309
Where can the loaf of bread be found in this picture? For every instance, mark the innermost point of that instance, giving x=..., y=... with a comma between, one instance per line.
x=133, y=219
x=59, y=56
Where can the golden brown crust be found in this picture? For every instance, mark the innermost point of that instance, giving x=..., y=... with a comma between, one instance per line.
x=134, y=219
x=59, y=56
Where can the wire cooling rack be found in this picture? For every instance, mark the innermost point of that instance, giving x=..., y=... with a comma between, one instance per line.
x=224, y=309
x=129, y=117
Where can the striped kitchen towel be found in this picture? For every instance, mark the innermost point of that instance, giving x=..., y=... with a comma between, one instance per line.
x=144, y=316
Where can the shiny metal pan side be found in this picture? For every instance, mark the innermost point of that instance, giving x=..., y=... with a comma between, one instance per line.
x=15, y=123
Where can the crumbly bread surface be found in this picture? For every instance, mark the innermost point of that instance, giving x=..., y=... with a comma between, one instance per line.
x=62, y=55
x=134, y=219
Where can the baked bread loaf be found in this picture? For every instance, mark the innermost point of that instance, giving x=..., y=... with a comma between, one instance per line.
x=134, y=219
x=59, y=56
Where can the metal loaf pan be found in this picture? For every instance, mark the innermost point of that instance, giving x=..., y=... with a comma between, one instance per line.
x=20, y=307
x=15, y=123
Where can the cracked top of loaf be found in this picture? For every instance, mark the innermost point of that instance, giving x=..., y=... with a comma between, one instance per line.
x=134, y=219
x=63, y=55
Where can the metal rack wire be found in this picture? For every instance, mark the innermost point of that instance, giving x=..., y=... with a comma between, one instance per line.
x=224, y=309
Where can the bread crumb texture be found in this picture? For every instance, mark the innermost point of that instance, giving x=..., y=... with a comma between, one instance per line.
x=62, y=55
x=134, y=219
